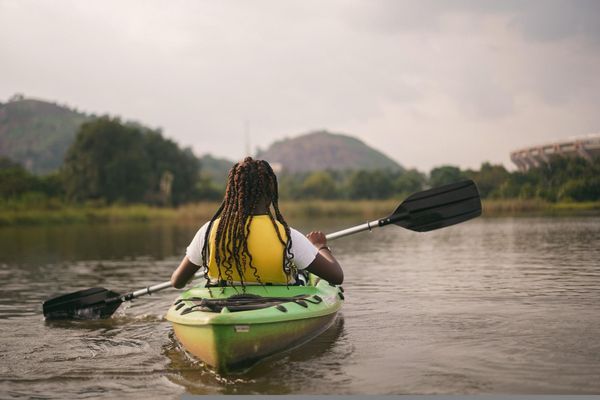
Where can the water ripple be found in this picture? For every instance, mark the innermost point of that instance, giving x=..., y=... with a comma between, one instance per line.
x=492, y=306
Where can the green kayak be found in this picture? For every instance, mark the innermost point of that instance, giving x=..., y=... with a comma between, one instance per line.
x=230, y=329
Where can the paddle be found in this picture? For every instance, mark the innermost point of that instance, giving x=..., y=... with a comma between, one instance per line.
x=95, y=303
x=428, y=210
x=423, y=211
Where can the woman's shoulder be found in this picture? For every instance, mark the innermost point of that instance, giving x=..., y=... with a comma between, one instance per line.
x=299, y=237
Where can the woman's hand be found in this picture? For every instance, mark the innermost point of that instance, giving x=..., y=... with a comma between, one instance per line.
x=324, y=265
x=317, y=238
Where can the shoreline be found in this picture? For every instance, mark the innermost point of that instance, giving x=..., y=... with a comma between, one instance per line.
x=365, y=209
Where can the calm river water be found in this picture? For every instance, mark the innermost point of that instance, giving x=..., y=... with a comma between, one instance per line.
x=489, y=306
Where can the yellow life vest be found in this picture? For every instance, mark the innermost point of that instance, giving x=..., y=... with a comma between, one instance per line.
x=265, y=248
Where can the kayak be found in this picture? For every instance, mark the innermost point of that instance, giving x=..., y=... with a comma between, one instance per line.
x=230, y=330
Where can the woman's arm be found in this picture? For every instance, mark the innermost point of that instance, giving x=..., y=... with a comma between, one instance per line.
x=324, y=265
x=187, y=268
x=183, y=273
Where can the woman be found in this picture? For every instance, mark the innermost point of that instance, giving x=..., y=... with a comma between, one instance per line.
x=247, y=241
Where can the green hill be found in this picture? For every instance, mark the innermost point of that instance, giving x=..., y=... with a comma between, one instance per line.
x=323, y=150
x=215, y=168
x=36, y=133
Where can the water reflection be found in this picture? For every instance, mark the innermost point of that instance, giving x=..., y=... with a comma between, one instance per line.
x=66, y=243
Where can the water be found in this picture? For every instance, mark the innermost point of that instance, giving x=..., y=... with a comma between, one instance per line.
x=490, y=306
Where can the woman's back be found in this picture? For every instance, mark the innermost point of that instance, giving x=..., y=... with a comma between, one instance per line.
x=265, y=249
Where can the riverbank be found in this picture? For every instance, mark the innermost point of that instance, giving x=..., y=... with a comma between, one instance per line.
x=67, y=214
x=537, y=207
x=364, y=209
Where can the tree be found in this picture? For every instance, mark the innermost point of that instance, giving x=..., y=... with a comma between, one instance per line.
x=376, y=184
x=318, y=185
x=14, y=179
x=410, y=181
x=583, y=189
x=489, y=179
x=207, y=189
x=118, y=162
x=512, y=186
x=166, y=158
x=444, y=175
x=106, y=161
x=563, y=178
x=7, y=163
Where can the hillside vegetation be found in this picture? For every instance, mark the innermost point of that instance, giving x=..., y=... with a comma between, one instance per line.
x=322, y=150
x=37, y=133
x=214, y=168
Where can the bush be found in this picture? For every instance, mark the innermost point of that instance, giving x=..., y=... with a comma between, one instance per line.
x=581, y=190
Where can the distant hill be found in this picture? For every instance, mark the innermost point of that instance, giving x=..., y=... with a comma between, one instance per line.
x=323, y=150
x=36, y=133
x=215, y=168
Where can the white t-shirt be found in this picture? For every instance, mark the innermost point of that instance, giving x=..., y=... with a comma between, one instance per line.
x=303, y=250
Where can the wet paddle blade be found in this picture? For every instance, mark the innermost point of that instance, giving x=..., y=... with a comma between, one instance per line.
x=439, y=207
x=94, y=303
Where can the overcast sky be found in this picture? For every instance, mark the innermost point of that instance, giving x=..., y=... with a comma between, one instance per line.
x=426, y=82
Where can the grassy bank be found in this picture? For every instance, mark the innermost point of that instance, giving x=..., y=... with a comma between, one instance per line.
x=366, y=209
x=191, y=212
x=81, y=214
x=533, y=207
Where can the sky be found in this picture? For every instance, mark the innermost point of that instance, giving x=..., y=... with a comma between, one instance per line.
x=426, y=82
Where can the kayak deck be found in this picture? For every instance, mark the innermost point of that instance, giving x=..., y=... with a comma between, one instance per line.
x=235, y=340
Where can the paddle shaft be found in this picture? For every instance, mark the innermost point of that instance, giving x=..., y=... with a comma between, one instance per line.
x=367, y=226
x=153, y=289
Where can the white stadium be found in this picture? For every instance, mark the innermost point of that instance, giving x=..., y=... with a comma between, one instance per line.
x=583, y=146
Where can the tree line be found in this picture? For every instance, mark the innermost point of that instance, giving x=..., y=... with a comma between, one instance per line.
x=562, y=179
x=114, y=162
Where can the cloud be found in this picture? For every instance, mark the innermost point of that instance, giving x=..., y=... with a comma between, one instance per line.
x=552, y=20
x=542, y=20
x=448, y=71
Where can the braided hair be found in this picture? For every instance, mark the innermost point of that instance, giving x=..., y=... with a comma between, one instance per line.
x=249, y=182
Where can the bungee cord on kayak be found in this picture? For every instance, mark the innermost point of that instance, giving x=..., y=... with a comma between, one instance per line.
x=244, y=302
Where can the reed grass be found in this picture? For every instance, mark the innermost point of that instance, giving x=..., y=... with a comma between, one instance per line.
x=84, y=214
x=294, y=210
x=529, y=207
x=362, y=209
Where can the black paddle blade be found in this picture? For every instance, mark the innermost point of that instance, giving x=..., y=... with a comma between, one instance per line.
x=438, y=207
x=94, y=303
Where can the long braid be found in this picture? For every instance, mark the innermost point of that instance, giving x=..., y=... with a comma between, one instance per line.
x=224, y=208
x=239, y=214
x=228, y=247
x=255, y=196
x=288, y=265
x=248, y=183
x=205, y=248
